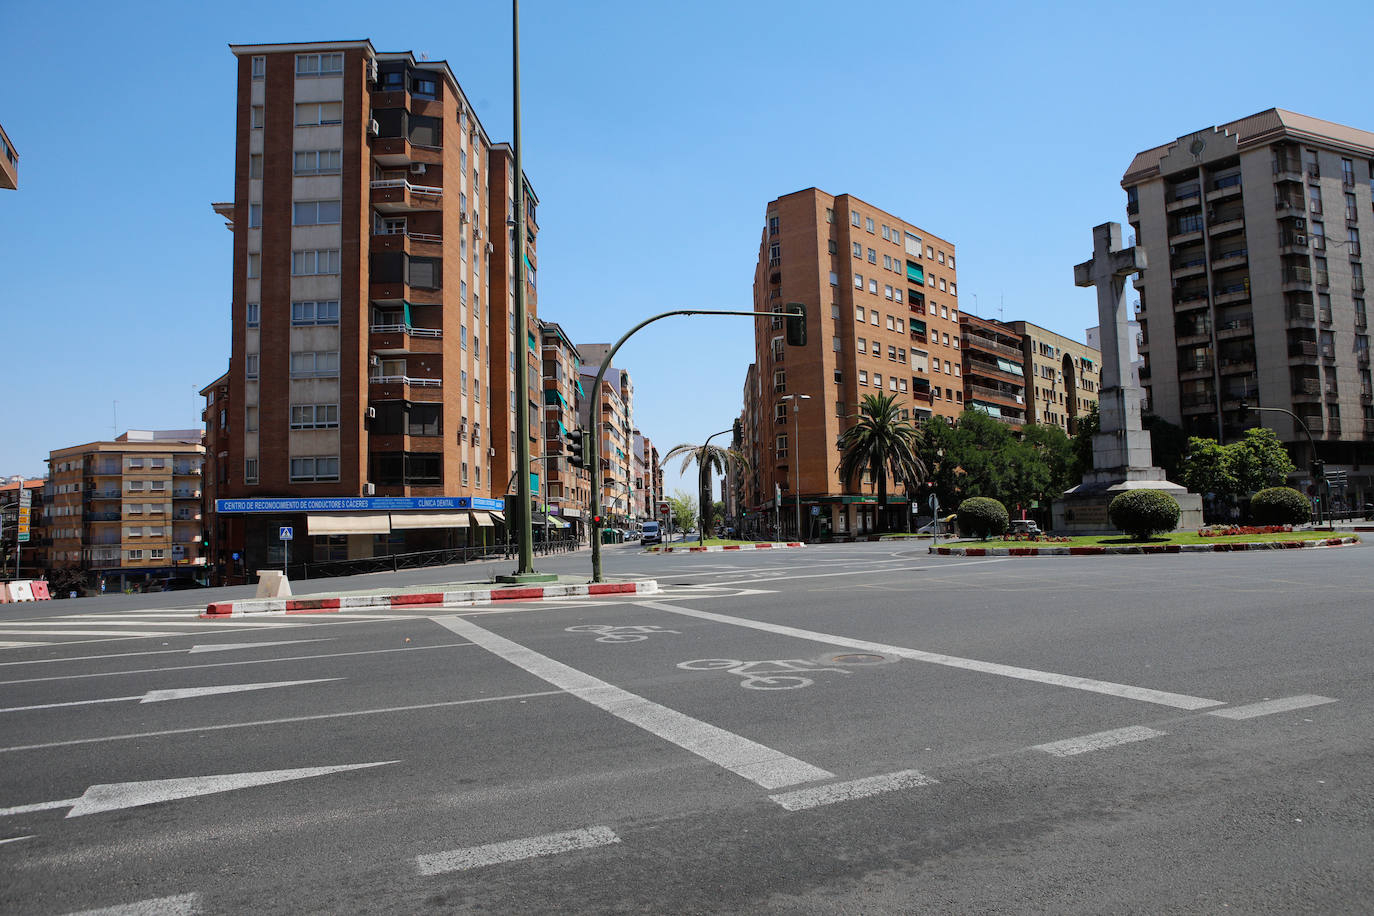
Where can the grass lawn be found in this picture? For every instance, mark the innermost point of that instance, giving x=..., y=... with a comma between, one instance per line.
x=1177, y=537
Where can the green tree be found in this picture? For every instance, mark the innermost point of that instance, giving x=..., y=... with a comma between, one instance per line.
x=1260, y=460
x=1168, y=443
x=683, y=508
x=881, y=443
x=707, y=458
x=1089, y=425
x=1209, y=467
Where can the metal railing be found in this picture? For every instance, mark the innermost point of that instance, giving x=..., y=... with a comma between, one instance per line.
x=406, y=380
x=384, y=183
x=405, y=329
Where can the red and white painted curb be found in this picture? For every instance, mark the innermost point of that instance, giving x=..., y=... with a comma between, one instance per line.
x=780, y=545
x=1105, y=550
x=465, y=598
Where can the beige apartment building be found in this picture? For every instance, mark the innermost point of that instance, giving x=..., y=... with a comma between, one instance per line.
x=569, y=488
x=129, y=510
x=1062, y=376
x=606, y=414
x=360, y=388
x=882, y=299
x=1255, y=289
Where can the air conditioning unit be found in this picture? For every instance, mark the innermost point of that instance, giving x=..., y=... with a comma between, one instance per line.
x=491, y=452
x=372, y=71
x=463, y=216
x=373, y=128
x=1300, y=224
x=417, y=168
x=369, y=489
x=490, y=247
x=372, y=413
x=1299, y=240
x=1173, y=249
x=374, y=361
x=477, y=232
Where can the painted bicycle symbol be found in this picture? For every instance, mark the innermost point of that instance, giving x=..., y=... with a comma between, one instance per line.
x=765, y=674
x=612, y=634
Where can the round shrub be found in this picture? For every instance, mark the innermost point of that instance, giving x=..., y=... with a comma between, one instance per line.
x=1141, y=513
x=981, y=517
x=1280, y=506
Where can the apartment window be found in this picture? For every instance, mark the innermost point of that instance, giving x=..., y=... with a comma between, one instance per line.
x=863, y=376
x=780, y=380
x=463, y=386
x=774, y=253
x=877, y=380
x=839, y=408
x=316, y=213
x=835, y=310
x=309, y=114
x=135, y=486
x=424, y=273
x=835, y=344
x=901, y=326
x=312, y=312
x=829, y=214
x=913, y=244
x=157, y=485
x=250, y=367
x=858, y=281
x=156, y=553
x=425, y=87
x=944, y=313
x=877, y=348
x=258, y=118
x=254, y=265
x=956, y=370
x=250, y=419
x=315, y=262
x=252, y=313
x=1357, y=276
x=873, y=318
x=854, y=217
x=873, y=285
x=315, y=364
x=839, y=376
x=1314, y=197
x=315, y=468
x=891, y=323
x=868, y=223
x=255, y=165
x=781, y=445
x=832, y=247
x=780, y=413
x=135, y=508
x=1352, y=238
x=897, y=294
x=941, y=257
x=135, y=554
x=951, y=262
x=858, y=250
x=956, y=341
x=834, y=279
x=859, y=314
x=952, y=290
x=314, y=416
x=891, y=352
x=942, y=284
x=903, y=386
x=318, y=64
x=935, y=392
x=872, y=256
x=934, y=365
x=259, y=66
x=887, y=291
x=318, y=162
x=891, y=383
x=1347, y=173
x=1351, y=208
x=863, y=344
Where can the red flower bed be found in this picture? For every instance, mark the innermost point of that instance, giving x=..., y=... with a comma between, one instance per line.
x=1231, y=531
x=1037, y=538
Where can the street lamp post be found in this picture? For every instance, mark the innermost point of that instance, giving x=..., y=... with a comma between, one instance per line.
x=796, y=400
x=704, y=487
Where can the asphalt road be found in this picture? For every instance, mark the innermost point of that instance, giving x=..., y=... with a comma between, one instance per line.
x=838, y=729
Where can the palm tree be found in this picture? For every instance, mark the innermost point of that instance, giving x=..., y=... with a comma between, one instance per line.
x=879, y=442
x=707, y=457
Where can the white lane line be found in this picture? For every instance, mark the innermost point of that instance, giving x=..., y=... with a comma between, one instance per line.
x=175, y=693
x=6, y=631
x=1071, y=747
x=180, y=905
x=22, y=645
x=259, y=723
x=514, y=850
x=856, y=572
x=247, y=661
x=1126, y=691
x=815, y=797
x=108, y=621
x=16, y=839
x=1269, y=707
x=755, y=762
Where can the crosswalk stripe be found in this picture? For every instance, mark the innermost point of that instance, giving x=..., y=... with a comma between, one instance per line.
x=21, y=645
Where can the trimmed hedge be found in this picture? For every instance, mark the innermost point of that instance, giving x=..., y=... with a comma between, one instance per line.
x=1280, y=506
x=982, y=517
x=1141, y=513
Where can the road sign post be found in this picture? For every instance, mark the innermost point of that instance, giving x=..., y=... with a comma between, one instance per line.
x=286, y=534
x=935, y=521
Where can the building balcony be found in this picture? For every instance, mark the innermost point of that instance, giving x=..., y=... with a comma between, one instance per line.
x=1228, y=295
x=399, y=293
x=1293, y=243
x=1286, y=169
x=1226, y=224
x=1369, y=428
x=1194, y=267
x=397, y=152
x=1192, y=335
x=397, y=195
x=1182, y=236
x=1187, y=300
x=102, y=516
x=394, y=339
x=420, y=244
x=1185, y=201
x=1296, y=279
x=103, y=494
x=1283, y=207
x=1225, y=191
x=105, y=470
x=394, y=387
x=1302, y=313
x=1233, y=258
x=187, y=470
x=1333, y=428
x=1237, y=365
x=997, y=395
x=186, y=493
x=988, y=345
x=1302, y=349
x=974, y=368
x=1194, y=369
x=1236, y=327
x=1198, y=403
x=1307, y=386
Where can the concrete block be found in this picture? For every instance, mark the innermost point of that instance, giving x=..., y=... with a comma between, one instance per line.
x=272, y=583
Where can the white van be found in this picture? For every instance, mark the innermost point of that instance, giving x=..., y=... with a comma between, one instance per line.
x=651, y=534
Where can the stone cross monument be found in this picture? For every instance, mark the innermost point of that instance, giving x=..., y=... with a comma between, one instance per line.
x=1121, y=449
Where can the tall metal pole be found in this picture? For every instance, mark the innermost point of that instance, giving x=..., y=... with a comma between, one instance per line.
x=522, y=522
x=704, y=486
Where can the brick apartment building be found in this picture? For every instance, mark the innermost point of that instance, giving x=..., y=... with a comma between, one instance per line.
x=994, y=378
x=882, y=300
x=9, y=162
x=364, y=347
x=1256, y=285
x=569, y=488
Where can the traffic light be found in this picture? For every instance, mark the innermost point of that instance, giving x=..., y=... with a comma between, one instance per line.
x=796, y=324
x=597, y=520
x=575, y=456
x=1318, y=469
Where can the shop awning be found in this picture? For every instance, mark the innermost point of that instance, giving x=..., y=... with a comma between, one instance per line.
x=481, y=519
x=499, y=516
x=348, y=523
x=429, y=520
x=914, y=273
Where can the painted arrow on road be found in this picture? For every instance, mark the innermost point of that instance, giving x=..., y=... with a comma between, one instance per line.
x=120, y=795
x=179, y=693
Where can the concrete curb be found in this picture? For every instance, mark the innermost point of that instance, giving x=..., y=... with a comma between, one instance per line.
x=777, y=545
x=1103, y=550
x=466, y=598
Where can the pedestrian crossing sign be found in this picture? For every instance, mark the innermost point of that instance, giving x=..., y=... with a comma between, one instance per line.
x=285, y=534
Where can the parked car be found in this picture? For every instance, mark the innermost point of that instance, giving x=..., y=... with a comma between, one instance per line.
x=1025, y=526
x=651, y=534
x=945, y=524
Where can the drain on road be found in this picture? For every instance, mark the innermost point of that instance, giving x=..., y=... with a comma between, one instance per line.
x=858, y=658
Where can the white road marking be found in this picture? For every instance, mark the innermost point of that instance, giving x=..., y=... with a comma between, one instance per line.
x=231, y=646
x=16, y=839
x=817, y=796
x=180, y=905
x=22, y=645
x=110, y=621
x=247, y=661
x=759, y=764
x=514, y=850
x=120, y=795
x=180, y=693
x=1269, y=707
x=856, y=572
x=1070, y=747
x=116, y=633
x=1125, y=691
x=289, y=720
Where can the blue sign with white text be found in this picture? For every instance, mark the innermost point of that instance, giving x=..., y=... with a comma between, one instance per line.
x=357, y=504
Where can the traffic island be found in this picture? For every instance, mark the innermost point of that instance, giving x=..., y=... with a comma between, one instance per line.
x=1098, y=550
x=710, y=548
x=453, y=596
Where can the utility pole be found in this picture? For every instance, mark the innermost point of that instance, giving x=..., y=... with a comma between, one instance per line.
x=796, y=400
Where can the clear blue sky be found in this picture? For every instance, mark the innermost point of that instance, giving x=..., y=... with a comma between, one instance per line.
x=655, y=134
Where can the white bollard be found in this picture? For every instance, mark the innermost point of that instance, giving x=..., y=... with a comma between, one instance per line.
x=272, y=583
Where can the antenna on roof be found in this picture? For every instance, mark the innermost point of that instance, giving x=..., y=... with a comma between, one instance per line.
x=114, y=419
x=1001, y=307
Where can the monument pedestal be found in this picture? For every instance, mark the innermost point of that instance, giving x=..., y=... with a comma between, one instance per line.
x=1083, y=509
